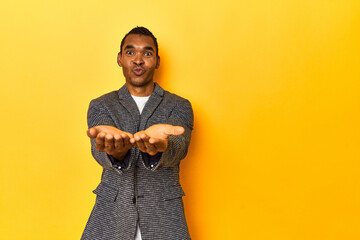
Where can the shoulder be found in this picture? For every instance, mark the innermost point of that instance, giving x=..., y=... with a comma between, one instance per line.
x=105, y=98
x=175, y=99
x=176, y=104
x=179, y=109
x=168, y=96
x=172, y=102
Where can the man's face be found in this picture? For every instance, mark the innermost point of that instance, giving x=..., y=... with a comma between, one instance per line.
x=138, y=60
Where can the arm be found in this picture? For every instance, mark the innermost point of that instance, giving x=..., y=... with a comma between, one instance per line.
x=164, y=145
x=109, y=145
x=177, y=148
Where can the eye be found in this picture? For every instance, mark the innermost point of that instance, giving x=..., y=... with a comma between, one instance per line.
x=129, y=53
x=147, y=54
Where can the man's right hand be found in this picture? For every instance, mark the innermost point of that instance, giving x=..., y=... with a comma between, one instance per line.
x=111, y=140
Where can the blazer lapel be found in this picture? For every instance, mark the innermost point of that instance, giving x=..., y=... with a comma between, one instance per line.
x=153, y=102
x=128, y=102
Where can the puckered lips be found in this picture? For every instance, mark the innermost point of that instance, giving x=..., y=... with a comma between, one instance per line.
x=138, y=71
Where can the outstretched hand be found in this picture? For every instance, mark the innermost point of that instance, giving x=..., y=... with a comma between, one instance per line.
x=155, y=138
x=117, y=143
x=111, y=140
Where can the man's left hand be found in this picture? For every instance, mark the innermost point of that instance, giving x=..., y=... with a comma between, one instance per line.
x=155, y=138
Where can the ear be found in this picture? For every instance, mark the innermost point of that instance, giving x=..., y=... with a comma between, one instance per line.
x=119, y=59
x=158, y=62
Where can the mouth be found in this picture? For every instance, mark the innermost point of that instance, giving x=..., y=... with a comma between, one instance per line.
x=138, y=71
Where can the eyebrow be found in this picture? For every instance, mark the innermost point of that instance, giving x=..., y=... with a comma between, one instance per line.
x=149, y=48
x=146, y=48
x=129, y=46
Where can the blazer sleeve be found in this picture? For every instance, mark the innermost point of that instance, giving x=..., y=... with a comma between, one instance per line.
x=181, y=115
x=98, y=114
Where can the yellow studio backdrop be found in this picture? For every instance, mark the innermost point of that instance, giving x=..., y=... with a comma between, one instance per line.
x=274, y=86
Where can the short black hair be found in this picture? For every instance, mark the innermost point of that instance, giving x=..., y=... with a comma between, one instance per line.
x=141, y=31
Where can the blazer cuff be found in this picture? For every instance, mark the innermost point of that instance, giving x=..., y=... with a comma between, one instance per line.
x=151, y=162
x=120, y=165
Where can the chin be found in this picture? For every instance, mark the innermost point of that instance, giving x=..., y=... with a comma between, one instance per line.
x=139, y=83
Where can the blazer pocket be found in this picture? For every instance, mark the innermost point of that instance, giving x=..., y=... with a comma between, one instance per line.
x=173, y=192
x=106, y=192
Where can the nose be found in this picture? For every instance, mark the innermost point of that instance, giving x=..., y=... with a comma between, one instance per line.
x=138, y=60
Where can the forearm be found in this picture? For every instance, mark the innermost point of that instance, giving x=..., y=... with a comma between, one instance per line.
x=176, y=150
x=101, y=126
x=110, y=162
x=178, y=145
x=101, y=157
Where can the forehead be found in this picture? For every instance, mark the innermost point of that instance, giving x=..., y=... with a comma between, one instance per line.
x=139, y=41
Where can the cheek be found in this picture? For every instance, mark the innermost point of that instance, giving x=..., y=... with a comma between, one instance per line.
x=125, y=71
x=125, y=68
x=151, y=64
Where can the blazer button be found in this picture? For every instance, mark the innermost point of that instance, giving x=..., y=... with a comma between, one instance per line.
x=118, y=169
x=134, y=200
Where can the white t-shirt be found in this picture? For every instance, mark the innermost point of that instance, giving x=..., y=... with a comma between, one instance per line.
x=140, y=102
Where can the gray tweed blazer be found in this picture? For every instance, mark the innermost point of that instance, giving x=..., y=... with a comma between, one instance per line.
x=150, y=194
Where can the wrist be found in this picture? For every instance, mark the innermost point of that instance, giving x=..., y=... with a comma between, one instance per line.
x=119, y=155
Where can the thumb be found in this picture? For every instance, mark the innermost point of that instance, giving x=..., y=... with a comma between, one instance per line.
x=175, y=130
x=92, y=132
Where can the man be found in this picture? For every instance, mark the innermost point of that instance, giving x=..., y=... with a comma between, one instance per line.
x=138, y=135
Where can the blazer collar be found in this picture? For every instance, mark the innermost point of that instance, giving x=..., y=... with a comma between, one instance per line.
x=128, y=102
x=151, y=105
x=125, y=94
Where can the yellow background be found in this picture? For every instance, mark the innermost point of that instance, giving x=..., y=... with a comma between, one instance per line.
x=274, y=86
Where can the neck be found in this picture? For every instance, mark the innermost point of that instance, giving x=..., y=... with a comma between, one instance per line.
x=140, y=91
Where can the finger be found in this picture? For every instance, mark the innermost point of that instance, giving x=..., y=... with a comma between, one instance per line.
x=173, y=130
x=92, y=132
x=140, y=144
x=159, y=144
x=126, y=138
x=136, y=136
x=128, y=134
x=128, y=141
x=109, y=143
x=151, y=148
x=118, y=142
x=154, y=140
x=176, y=130
x=99, y=142
x=144, y=137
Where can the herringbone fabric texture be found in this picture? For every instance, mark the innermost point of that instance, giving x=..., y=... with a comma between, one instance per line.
x=150, y=195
